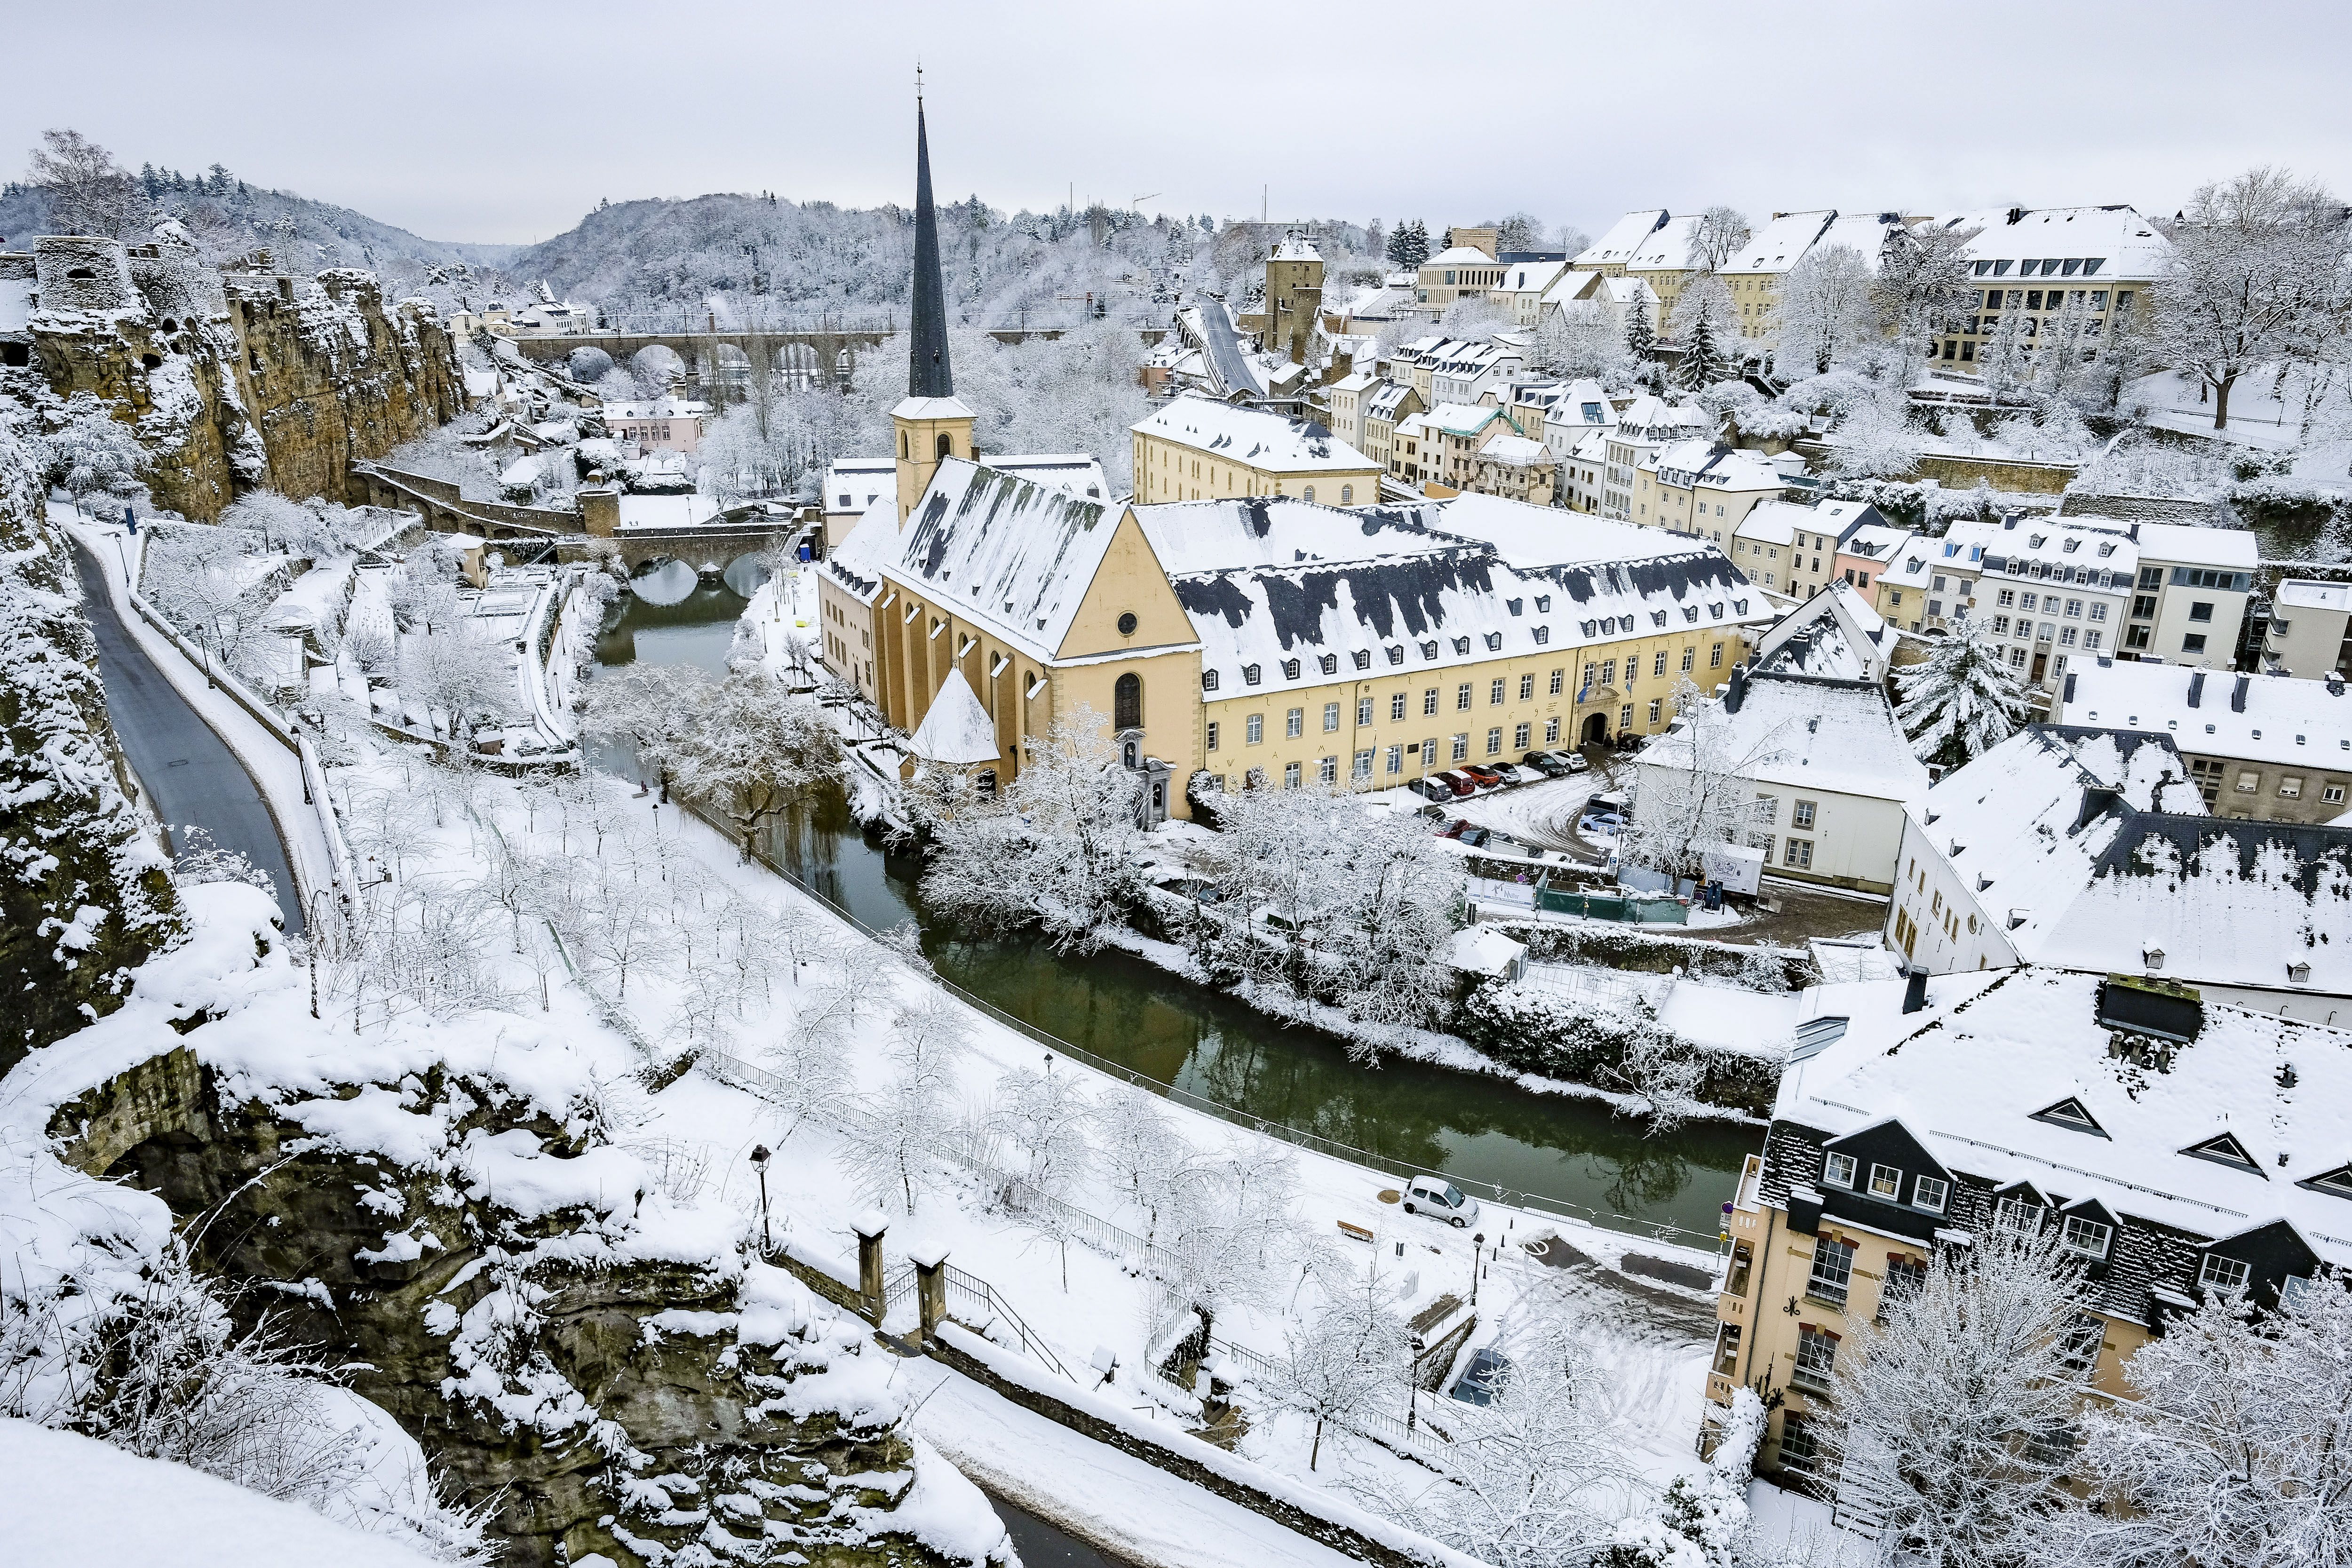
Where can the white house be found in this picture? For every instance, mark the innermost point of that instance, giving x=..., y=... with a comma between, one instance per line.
x=1832, y=772
x=1836, y=632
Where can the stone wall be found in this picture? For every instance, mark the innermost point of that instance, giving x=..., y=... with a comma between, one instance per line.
x=240, y=379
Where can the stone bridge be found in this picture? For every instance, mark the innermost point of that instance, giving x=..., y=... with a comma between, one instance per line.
x=800, y=357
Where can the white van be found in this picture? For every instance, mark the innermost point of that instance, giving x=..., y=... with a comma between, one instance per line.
x=1440, y=1199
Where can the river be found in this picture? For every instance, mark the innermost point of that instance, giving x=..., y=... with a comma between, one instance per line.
x=1125, y=1010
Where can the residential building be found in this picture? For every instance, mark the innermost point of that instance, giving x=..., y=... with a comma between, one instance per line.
x=2268, y=748
x=1703, y=488
x=2080, y=273
x=1646, y=426
x=1665, y=261
x=1523, y=288
x=2310, y=631
x=1440, y=445
x=2153, y=1134
x=1195, y=449
x=663, y=425
x=1416, y=362
x=1831, y=770
x=1583, y=471
x=2090, y=849
x=1457, y=272
x=1754, y=272
x=1474, y=370
x=1345, y=398
x=1862, y=555
x=1385, y=406
x=851, y=486
x=2189, y=604
x=2057, y=591
x=1835, y=633
x=1794, y=547
x=1517, y=468
x=1616, y=298
x=1613, y=251
x=1926, y=583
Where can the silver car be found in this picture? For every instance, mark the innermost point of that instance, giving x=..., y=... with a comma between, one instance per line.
x=1440, y=1199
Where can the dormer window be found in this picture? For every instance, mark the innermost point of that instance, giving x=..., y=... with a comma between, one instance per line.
x=1493, y=641
x=2085, y=1236
x=2223, y=1149
x=1249, y=675
x=1461, y=646
x=2226, y=1276
x=1363, y=657
x=1513, y=605
x=1543, y=635
x=1838, y=1170
x=1328, y=664
x=1886, y=1182
x=1396, y=653
x=1290, y=670
x=2071, y=546
x=1543, y=603
x=2017, y=1215
x=1208, y=680
x=1591, y=629
x=1930, y=1193
x=1429, y=649
x=2335, y=1184
x=2070, y=1114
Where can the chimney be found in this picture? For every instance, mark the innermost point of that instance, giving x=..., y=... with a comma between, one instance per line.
x=2196, y=688
x=2238, y=694
x=1739, y=692
x=1914, y=988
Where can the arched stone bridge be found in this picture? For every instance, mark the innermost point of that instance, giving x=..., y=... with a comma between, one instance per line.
x=801, y=356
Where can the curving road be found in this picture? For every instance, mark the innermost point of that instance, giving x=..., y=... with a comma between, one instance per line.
x=191, y=777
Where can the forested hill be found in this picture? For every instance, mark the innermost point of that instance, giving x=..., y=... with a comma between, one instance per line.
x=230, y=218
x=794, y=260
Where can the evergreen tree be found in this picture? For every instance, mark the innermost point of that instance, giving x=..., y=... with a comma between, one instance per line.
x=1964, y=700
x=1702, y=362
x=1409, y=246
x=1640, y=339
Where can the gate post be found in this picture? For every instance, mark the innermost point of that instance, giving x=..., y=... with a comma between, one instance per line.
x=930, y=1290
x=869, y=1227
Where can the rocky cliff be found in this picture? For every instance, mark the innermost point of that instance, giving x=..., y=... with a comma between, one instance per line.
x=83, y=893
x=597, y=1357
x=232, y=380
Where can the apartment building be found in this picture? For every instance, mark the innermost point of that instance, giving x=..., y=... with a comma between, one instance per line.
x=2188, y=604
x=1792, y=547
x=2264, y=748
x=1457, y=272
x=1385, y=406
x=1472, y=371
x=1754, y=272
x=1523, y=288
x=2310, y=631
x=1928, y=583
x=1197, y=448
x=1617, y=297
x=1702, y=488
x=1614, y=251
x=2056, y=592
x=1344, y=399
x=1665, y=261
x=2035, y=1102
x=1438, y=446
x=1646, y=426
x=2071, y=276
x=1517, y=468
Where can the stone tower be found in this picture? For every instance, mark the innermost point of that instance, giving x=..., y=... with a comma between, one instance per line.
x=932, y=422
x=1294, y=293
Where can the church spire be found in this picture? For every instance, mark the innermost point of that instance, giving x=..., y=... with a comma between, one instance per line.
x=927, y=373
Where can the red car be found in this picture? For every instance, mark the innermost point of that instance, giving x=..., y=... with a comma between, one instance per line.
x=1486, y=777
x=1455, y=782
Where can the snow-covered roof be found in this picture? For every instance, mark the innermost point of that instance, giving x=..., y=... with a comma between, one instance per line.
x=1484, y=950
x=1806, y=732
x=1465, y=420
x=855, y=563
x=2093, y=557
x=1701, y=461
x=1007, y=552
x=1297, y=247
x=1666, y=248
x=1518, y=451
x=1836, y=632
x=1073, y=471
x=1212, y=321
x=2064, y=242
x=2304, y=593
x=956, y=729
x=1864, y=234
x=668, y=512
x=16, y=304
x=1354, y=381
x=2274, y=718
x=1622, y=239
x=1524, y=276
x=1971, y=1075
x=658, y=408
x=1779, y=244
x=1459, y=255
x=1651, y=417
x=1252, y=436
x=1274, y=531
x=1875, y=541
x=2235, y=549
x=852, y=484
x=1383, y=401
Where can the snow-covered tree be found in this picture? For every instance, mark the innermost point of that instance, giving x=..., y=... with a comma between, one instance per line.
x=1347, y=1359
x=1408, y=245
x=1231, y=1232
x=1702, y=1520
x=1876, y=439
x=2235, y=1445
x=1718, y=234
x=2004, y=362
x=1641, y=342
x=1705, y=323
x=752, y=747
x=90, y=454
x=893, y=1147
x=1703, y=790
x=1579, y=341
x=1825, y=307
x=2256, y=274
x=1140, y=1153
x=1957, y=1403
x=648, y=707
x=1925, y=286
x=1056, y=850
x=1043, y=1118
x=1963, y=699
x=88, y=192
x=460, y=670
x=1520, y=231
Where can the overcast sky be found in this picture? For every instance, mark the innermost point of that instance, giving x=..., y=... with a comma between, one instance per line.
x=506, y=123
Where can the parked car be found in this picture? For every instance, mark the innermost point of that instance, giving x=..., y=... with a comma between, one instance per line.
x=1483, y=1378
x=1482, y=776
x=1600, y=821
x=1546, y=763
x=1468, y=831
x=1457, y=783
x=1431, y=789
x=1440, y=1199
x=1512, y=773
x=1434, y=810
x=1575, y=761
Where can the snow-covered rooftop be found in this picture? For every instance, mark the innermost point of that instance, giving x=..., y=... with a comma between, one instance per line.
x=1700, y=461
x=1623, y=240
x=1835, y=634
x=1518, y=451
x=2064, y=242
x=956, y=729
x=2304, y=593
x=1272, y=531
x=668, y=512
x=1864, y=234
x=1666, y=248
x=2234, y=548
x=1252, y=436
x=1808, y=732
x=1779, y=244
x=1460, y=255
x=1971, y=1075
x=2273, y=719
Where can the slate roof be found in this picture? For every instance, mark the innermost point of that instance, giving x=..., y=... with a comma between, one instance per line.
x=1835, y=634
x=1667, y=246
x=2126, y=244
x=1806, y=732
x=1779, y=244
x=2273, y=719
x=1252, y=436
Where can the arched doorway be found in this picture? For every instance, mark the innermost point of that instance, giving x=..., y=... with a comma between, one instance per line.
x=1596, y=729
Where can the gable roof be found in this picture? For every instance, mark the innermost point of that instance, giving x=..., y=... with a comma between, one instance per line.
x=1666, y=248
x=956, y=729
x=1835, y=634
x=2273, y=719
x=1250, y=436
x=1007, y=552
x=1805, y=732
x=1274, y=531
x=1779, y=244
x=1622, y=239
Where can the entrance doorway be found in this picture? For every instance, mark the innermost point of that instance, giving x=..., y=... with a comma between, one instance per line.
x=1596, y=729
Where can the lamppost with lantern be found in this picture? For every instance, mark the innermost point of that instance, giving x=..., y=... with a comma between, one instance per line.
x=759, y=1164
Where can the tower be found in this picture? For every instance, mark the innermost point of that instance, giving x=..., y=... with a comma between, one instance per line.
x=932, y=422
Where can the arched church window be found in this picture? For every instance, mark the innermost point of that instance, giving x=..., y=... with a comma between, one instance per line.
x=947, y=445
x=1126, y=702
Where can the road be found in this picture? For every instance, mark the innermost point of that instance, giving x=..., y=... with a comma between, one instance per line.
x=1045, y=1545
x=191, y=777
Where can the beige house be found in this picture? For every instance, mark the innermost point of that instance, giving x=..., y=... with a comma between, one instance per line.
x=1345, y=399
x=1791, y=547
x=1614, y=251
x=1385, y=406
x=1616, y=297
x=2264, y=748
x=1664, y=261
x=2310, y=634
x=1517, y=468
x=2070, y=276
x=1195, y=449
x=1523, y=288
x=1646, y=426
x=1458, y=273
x=2189, y=604
x=1698, y=487
x=1440, y=445
x=1753, y=273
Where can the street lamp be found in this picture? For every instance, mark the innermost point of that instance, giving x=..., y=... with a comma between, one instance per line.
x=760, y=1163
x=1477, y=1266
